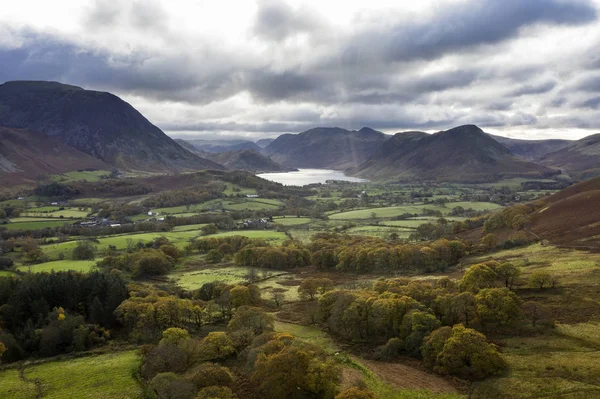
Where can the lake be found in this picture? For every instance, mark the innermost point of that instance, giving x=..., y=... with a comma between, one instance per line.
x=302, y=177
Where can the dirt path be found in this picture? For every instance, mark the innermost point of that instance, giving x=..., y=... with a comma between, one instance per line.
x=406, y=377
x=39, y=390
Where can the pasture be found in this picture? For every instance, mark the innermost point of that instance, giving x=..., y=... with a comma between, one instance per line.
x=83, y=266
x=36, y=225
x=291, y=221
x=232, y=204
x=391, y=211
x=92, y=377
x=178, y=238
x=84, y=175
x=193, y=280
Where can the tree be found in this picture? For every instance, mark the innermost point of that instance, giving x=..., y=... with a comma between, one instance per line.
x=171, y=386
x=174, y=335
x=293, y=372
x=540, y=279
x=6, y=262
x=214, y=256
x=278, y=295
x=462, y=352
x=498, y=306
x=215, y=392
x=2, y=350
x=310, y=287
x=239, y=296
x=508, y=273
x=84, y=250
x=251, y=318
x=489, y=241
x=537, y=313
x=355, y=393
x=216, y=346
x=477, y=277
x=210, y=374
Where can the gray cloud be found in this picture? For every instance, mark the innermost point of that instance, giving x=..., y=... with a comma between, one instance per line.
x=450, y=68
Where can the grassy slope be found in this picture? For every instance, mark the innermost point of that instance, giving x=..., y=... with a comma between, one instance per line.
x=97, y=377
x=564, y=362
x=83, y=266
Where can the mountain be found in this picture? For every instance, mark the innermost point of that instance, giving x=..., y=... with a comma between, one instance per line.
x=262, y=143
x=324, y=147
x=248, y=159
x=217, y=146
x=462, y=154
x=581, y=158
x=531, y=150
x=25, y=156
x=97, y=123
x=571, y=216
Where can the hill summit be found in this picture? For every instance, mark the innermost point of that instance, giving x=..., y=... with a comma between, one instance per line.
x=97, y=123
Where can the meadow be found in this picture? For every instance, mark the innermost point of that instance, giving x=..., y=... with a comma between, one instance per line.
x=83, y=266
x=178, y=238
x=391, y=211
x=234, y=204
x=91, y=176
x=91, y=377
x=291, y=221
x=36, y=225
x=193, y=280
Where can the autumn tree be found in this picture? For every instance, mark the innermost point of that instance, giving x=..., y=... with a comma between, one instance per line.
x=479, y=276
x=508, y=273
x=462, y=352
x=216, y=346
x=541, y=279
x=278, y=295
x=489, y=241
x=210, y=374
x=216, y=392
x=498, y=306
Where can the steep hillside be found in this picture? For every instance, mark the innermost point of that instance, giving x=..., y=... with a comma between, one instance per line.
x=322, y=147
x=262, y=143
x=572, y=216
x=97, y=123
x=25, y=155
x=581, y=158
x=531, y=150
x=462, y=154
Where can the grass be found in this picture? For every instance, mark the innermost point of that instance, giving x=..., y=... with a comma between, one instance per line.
x=190, y=227
x=11, y=386
x=69, y=213
x=6, y=273
x=96, y=377
x=291, y=221
x=381, y=389
x=178, y=238
x=83, y=266
x=391, y=211
x=563, y=362
x=30, y=219
x=35, y=225
x=233, y=204
x=193, y=280
x=379, y=231
x=91, y=176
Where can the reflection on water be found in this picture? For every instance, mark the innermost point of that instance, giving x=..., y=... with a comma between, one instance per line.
x=308, y=176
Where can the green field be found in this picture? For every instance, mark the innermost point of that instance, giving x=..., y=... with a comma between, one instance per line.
x=90, y=176
x=193, y=280
x=83, y=266
x=35, y=225
x=178, y=238
x=6, y=273
x=291, y=221
x=69, y=213
x=416, y=222
x=94, y=377
x=379, y=231
x=234, y=204
x=190, y=227
x=392, y=211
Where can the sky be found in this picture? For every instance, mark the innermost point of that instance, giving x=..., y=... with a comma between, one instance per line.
x=255, y=69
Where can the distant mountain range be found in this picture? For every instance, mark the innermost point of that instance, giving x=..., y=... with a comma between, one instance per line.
x=49, y=127
x=464, y=154
x=580, y=158
x=323, y=147
x=245, y=159
x=95, y=123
